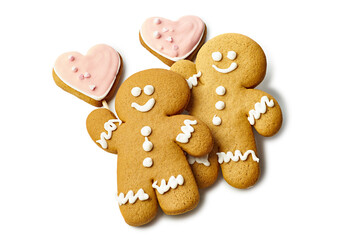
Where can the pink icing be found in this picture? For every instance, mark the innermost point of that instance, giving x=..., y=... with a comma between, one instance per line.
x=185, y=33
x=99, y=67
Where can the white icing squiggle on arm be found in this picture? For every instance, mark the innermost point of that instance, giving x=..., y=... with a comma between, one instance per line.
x=187, y=130
x=226, y=157
x=192, y=81
x=260, y=107
x=109, y=126
x=172, y=183
x=201, y=160
x=141, y=195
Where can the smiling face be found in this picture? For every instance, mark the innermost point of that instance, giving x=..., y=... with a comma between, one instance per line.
x=232, y=57
x=152, y=92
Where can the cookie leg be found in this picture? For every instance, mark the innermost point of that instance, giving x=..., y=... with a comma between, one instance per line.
x=176, y=192
x=240, y=167
x=137, y=201
x=205, y=168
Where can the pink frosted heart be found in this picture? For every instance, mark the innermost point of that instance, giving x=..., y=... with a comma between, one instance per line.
x=174, y=40
x=95, y=72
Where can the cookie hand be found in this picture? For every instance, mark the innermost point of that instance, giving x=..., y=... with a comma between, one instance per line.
x=187, y=70
x=264, y=113
x=192, y=135
x=102, y=126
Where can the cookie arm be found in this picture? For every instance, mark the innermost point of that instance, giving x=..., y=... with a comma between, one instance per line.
x=191, y=134
x=103, y=128
x=187, y=70
x=263, y=112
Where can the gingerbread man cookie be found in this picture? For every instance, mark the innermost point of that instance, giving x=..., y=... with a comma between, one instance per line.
x=228, y=68
x=150, y=141
x=92, y=77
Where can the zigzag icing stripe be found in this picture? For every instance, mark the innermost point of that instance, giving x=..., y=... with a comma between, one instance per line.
x=172, y=183
x=109, y=126
x=260, y=107
x=226, y=157
x=192, y=81
x=201, y=160
x=131, y=198
x=187, y=130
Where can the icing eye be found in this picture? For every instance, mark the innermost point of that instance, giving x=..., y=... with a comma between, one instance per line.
x=149, y=90
x=136, y=91
x=216, y=56
x=231, y=55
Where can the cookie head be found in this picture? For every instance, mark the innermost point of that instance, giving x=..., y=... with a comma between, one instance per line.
x=152, y=92
x=232, y=57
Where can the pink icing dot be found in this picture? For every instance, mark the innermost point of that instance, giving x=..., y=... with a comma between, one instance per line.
x=71, y=58
x=92, y=87
x=169, y=39
x=81, y=76
x=175, y=47
x=160, y=47
x=156, y=34
x=157, y=21
x=87, y=75
x=165, y=30
x=74, y=69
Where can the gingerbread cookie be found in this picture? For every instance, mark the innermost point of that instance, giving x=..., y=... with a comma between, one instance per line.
x=173, y=41
x=150, y=140
x=228, y=68
x=92, y=77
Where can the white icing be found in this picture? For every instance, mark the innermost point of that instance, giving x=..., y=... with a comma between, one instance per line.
x=201, y=160
x=109, y=126
x=192, y=81
x=216, y=120
x=260, y=107
x=148, y=162
x=147, y=145
x=136, y=91
x=219, y=105
x=216, y=56
x=131, y=198
x=172, y=183
x=226, y=157
x=220, y=90
x=187, y=130
x=231, y=55
x=149, y=90
x=174, y=59
x=231, y=68
x=146, y=107
x=145, y=131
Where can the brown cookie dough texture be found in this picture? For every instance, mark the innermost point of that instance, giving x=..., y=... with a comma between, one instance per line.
x=150, y=140
x=227, y=69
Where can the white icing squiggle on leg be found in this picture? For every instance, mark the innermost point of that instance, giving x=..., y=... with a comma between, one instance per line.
x=109, y=126
x=201, y=160
x=260, y=107
x=226, y=157
x=141, y=195
x=187, y=130
x=172, y=183
x=192, y=81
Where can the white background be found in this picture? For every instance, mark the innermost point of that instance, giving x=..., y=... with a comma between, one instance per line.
x=56, y=184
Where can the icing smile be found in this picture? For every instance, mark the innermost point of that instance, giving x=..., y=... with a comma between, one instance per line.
x=146, y=107
x=231, y=68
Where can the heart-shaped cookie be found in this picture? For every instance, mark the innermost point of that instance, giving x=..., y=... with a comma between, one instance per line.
x=171, y=41
x=90, y=77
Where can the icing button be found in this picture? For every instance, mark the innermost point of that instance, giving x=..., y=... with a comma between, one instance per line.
x=156, y=34
x=220, y=91
x=148, y=162
x=220, y=105
x=216, y=120
x=146, y=131
x=157, y=21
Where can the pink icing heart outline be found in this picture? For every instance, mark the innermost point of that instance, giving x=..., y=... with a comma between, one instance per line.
x=185, y=34
x=101, y=64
